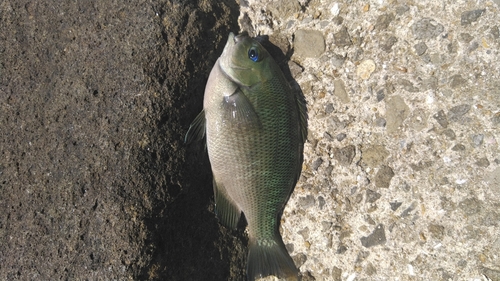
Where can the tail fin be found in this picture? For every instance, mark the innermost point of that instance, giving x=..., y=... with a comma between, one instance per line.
x=270, y=257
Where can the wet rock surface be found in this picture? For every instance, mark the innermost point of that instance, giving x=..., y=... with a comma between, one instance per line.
x=95, y=180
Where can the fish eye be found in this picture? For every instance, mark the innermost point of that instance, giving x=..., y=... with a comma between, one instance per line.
x=253, y=54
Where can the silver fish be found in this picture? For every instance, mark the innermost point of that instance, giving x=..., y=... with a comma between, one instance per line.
x=255, y=127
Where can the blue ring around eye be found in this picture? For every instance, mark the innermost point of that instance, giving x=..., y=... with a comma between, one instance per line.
x=253, y=54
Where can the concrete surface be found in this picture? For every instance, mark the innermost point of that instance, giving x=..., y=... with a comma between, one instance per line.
x=401, y=177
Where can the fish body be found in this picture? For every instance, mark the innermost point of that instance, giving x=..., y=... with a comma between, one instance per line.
x=255, y=128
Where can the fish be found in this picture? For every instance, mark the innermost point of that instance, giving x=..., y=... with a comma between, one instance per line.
x=255, y=127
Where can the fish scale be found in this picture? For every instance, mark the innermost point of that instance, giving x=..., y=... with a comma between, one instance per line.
x=255, y=127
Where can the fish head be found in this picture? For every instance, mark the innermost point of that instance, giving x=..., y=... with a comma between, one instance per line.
x=245, y=61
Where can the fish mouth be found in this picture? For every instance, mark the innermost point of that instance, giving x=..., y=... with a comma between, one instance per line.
x=226, y=59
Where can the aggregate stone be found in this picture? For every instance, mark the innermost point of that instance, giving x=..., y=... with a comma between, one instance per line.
x=469, y=17
x=384, y=176
x=436, y=230
x=458, y=147
x=388, y=43
x=495, y=120
x=495, y=32
x=402, y=9
x=365, y=69
x=421, y=165
x=493, y=180
x=408, y=85
x=477, y=140
x=344, y=155
x=483, y=162
x=336, y=274
x=383, y=21
x=408, y=210
x=450, y=134
x=295, y=68
x=441, y=118
x=337, y=60
x=470, y=206
x=375, y=155
x=426, y=28
x=307, y=201
x=329, y=108
x=458, y=111
x=396, y=113
x=466, y=37
x=342, y=38
x=372, y=196
x=456, y=81
x=380, y=122
x=341, y=137
x=420, y=48
x=395, y=205
x=380, y=95
x=317, y=163
x=308, y=43
x=377, y=237
x=340, y=91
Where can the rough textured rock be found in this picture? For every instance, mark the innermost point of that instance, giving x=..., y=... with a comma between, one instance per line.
x=95, y=181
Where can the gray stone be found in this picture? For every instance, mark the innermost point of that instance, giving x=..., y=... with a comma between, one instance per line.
x=372, y=196
x=420, y=48
x=341, y=137
x=380, y=95
x=389, y=42
x=422, y=165
x=344, y=155
x=456, y=81
x=458, y=147
x=466, y=37
x=495, y=32
x=395, y=205
x=436, y=230
x=396, y=113
x=477, y=140
x=402, y=9
x=450, y=134
x=340, y=91
x=407, y=85
x=458, y=111
x=495, y=120
x=380, y=122
x=483, y=162
x=408, y=210
x=470, y=206
x=338, y=60
x=295, y=68
x=307, y=201
x=338, y=20
x=375, y=155
x=336, y=274
x=377, y=237
x=342, y=38
x=430, y=83
x=309, y=43
x=383, y=21
x=317, y=163
x=426, y=28
x=441, y=118
x=321, y=202
x=471, y=16
x=329, y=108
x=384, y=176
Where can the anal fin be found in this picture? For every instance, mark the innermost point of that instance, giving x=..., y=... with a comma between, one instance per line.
x=226, y=210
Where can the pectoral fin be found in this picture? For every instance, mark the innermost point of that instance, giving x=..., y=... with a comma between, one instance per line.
x=196, y=130
x=225, y=209
x=239, y=108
